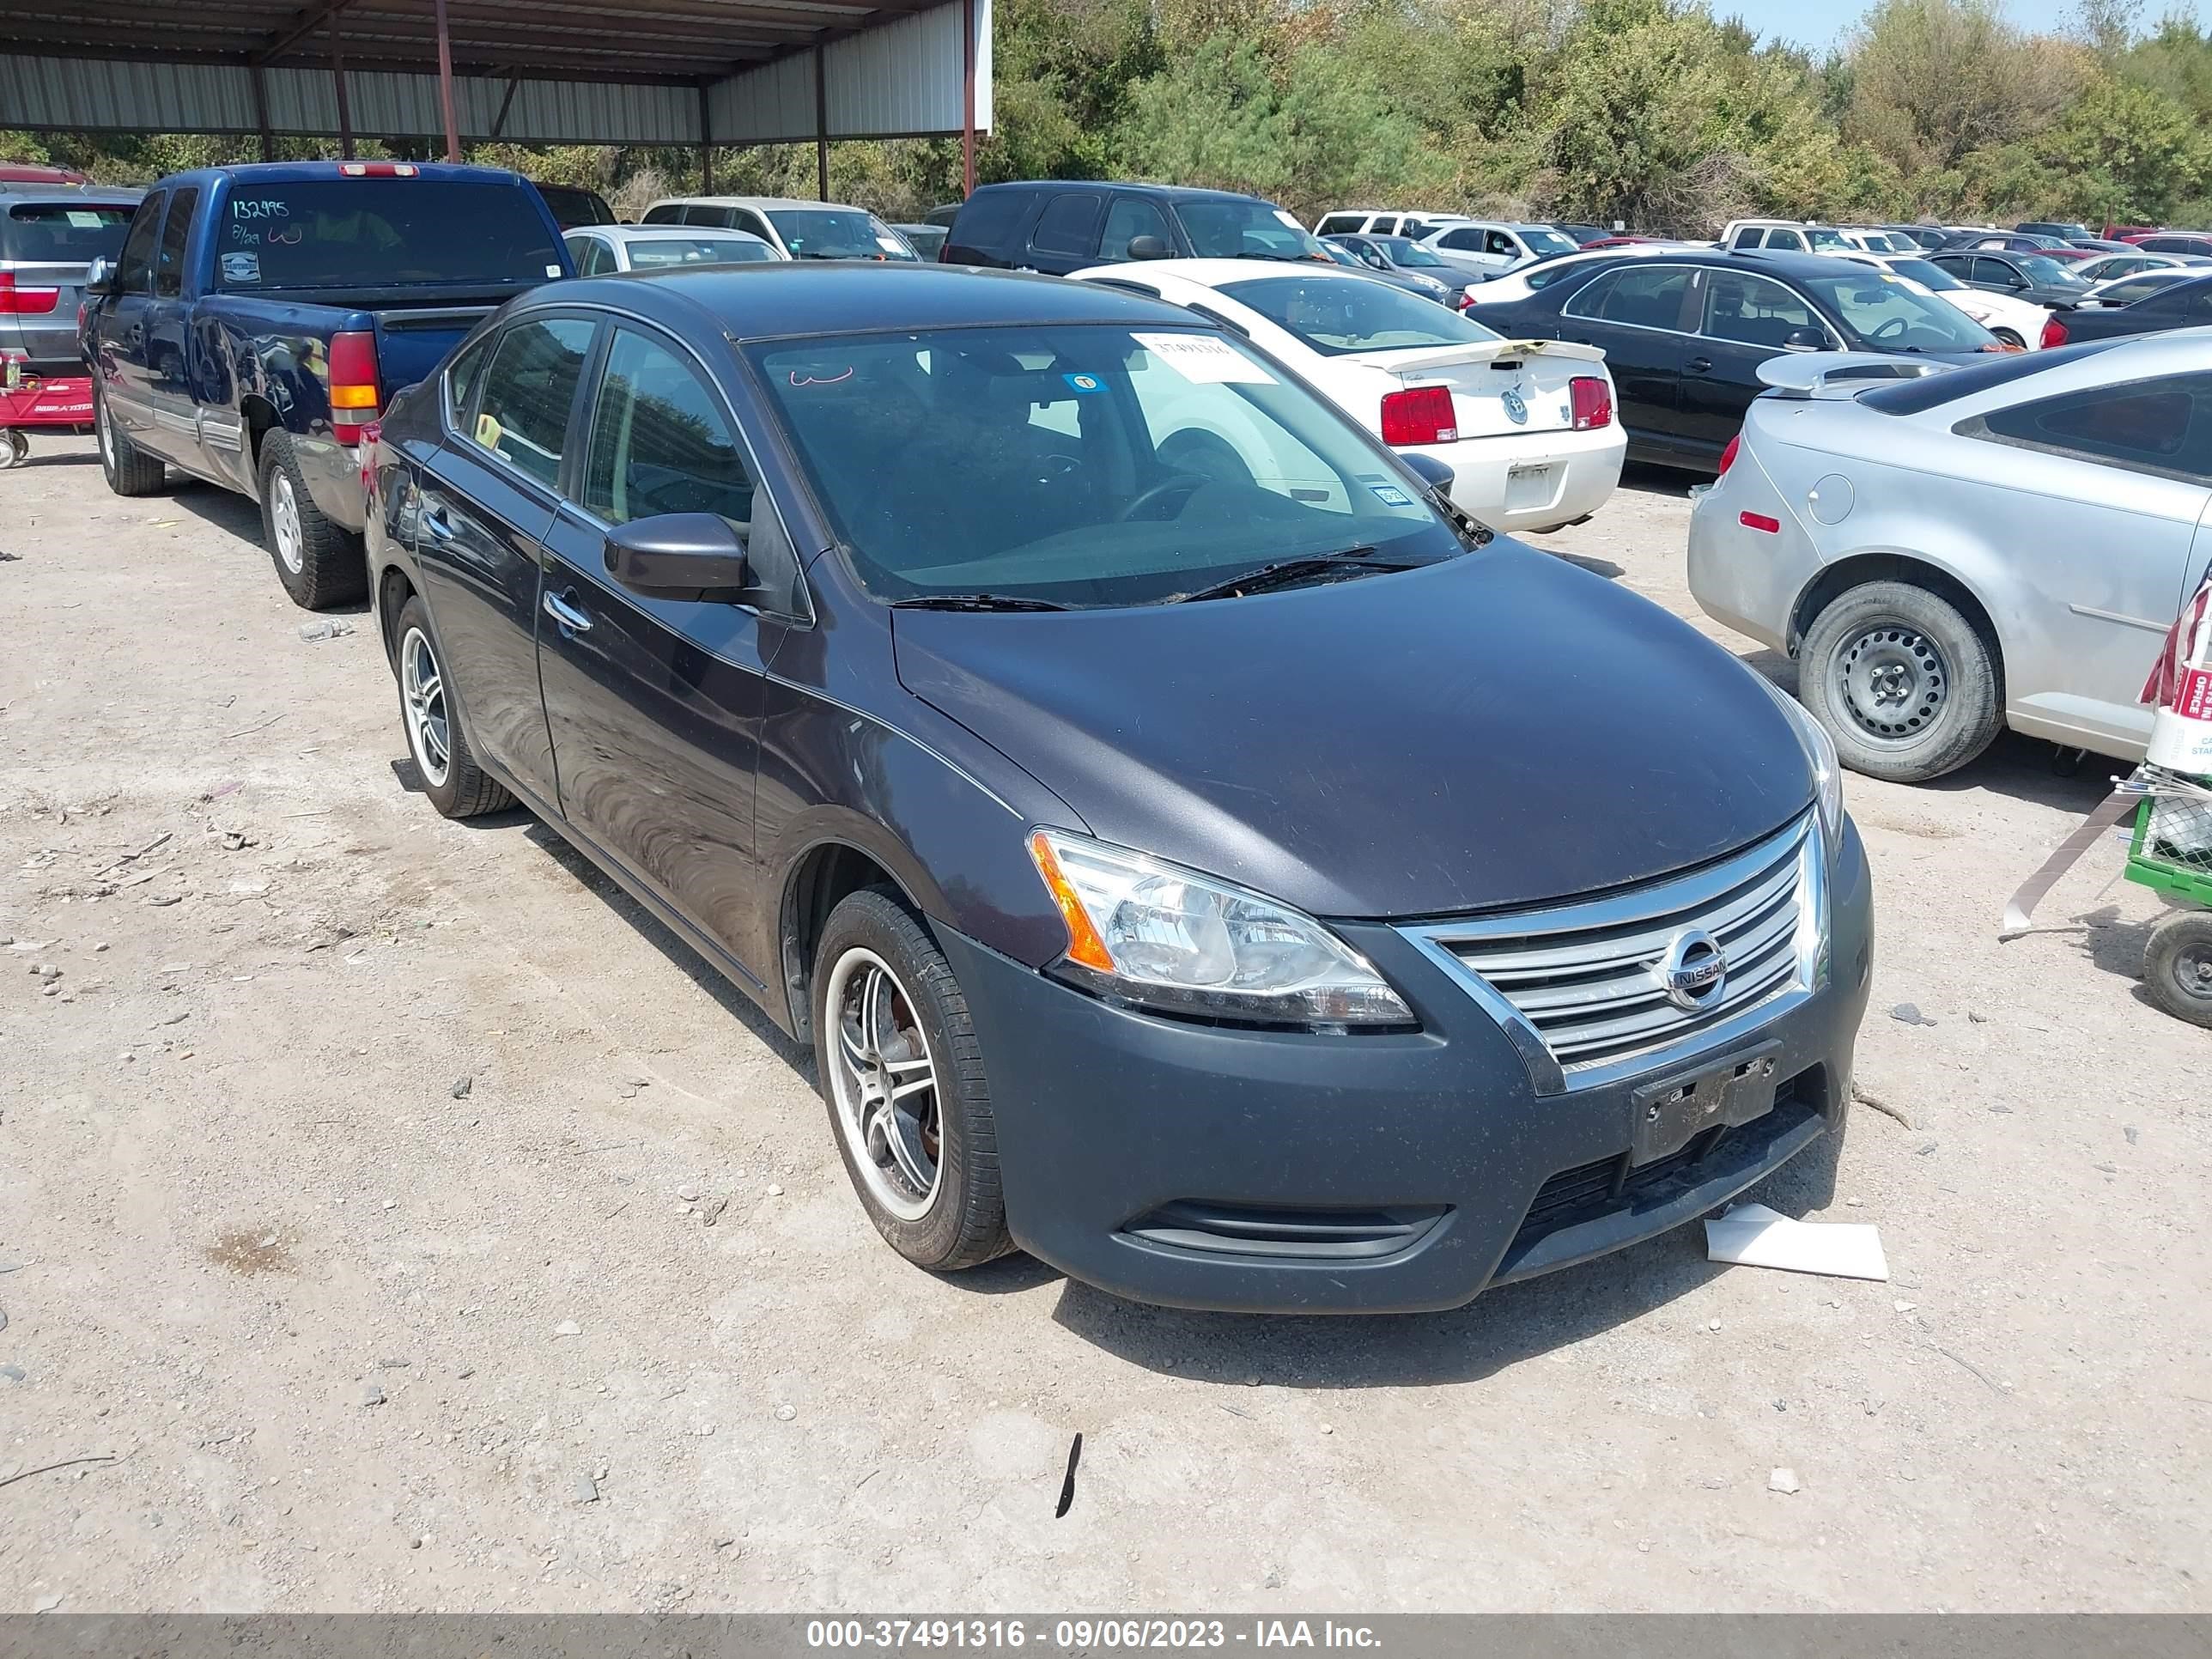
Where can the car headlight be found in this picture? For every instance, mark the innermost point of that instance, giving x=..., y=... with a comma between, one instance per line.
x=1820, y=754
x=1155, y=933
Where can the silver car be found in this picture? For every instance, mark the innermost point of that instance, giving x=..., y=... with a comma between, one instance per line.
x=1950, y=554
x=600, y=249
x=50, y=234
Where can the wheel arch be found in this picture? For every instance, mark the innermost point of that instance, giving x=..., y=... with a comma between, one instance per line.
x=1833, y=581
x=260, y=418
x=828, y=870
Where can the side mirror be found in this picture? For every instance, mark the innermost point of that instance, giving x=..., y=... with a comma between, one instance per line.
x=689, y=556
x=100, y=276
x=1432, y=471
x=1804, y=339
x=1376, y=260
x=1148, y=248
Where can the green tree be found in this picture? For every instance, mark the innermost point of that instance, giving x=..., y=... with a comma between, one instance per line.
x=2127, y=152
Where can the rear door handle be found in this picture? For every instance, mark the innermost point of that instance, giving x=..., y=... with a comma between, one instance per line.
x=562, y=610
x=433, y=520
x=1700, y=365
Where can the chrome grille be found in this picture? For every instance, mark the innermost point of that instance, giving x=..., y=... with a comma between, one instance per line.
x=1581, y=985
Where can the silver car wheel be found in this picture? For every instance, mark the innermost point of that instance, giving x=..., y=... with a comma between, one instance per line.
x=422, y=689
x=885, y=1081
x=1892, y=681
x=285, y=516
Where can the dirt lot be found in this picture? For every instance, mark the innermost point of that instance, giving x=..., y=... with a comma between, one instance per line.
x=358, y=1337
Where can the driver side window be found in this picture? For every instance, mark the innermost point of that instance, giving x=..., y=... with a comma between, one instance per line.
x=660, y=442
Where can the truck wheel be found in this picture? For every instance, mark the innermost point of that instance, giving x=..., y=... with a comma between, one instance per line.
x=320, y=563
x=456, y=784
x=130, y=471
x=903, y=1074
x=2178, y=967
x=1906, y=685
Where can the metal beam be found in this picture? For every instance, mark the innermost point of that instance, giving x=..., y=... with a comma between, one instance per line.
x=338, y=75
x=302, y=26
x=821, y=124
x=705, y=142
x=445, y=87
x=261, y=113
x=499, y=121
x=966, y=98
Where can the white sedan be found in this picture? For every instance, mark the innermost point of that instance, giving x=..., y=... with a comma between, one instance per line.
x=1526, y=426
x=599, y=249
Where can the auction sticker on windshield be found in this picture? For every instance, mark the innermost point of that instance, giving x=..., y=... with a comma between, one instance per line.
x=1203, y=361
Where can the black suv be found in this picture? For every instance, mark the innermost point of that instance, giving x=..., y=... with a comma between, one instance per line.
x=1062, y=224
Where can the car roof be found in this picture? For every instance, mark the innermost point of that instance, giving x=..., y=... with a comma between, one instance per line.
x=663, y=232
x=1217, y=273
x=752, y=202
x=18, y=191
x=279, y=173
x=1173, y=192
x=775, y=301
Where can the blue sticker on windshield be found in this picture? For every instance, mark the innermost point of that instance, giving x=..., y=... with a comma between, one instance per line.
x=1391, y=495
x=1084, y=383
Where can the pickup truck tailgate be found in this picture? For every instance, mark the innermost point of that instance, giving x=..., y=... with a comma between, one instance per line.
x=411, y=342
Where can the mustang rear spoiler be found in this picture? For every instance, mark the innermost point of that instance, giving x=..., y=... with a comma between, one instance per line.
x=1840, y=374
x=1511, y=353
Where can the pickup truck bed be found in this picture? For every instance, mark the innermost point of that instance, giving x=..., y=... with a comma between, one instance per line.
x=259, y=317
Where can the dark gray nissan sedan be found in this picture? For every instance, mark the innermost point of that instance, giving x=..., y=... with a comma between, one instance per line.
x=1197, y=854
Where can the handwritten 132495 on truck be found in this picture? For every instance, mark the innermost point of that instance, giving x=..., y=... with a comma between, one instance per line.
x=257, y=319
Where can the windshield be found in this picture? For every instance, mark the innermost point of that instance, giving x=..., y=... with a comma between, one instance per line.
x=1405, y=252
x=654, y=252
x=1549, y=241
x=2042, y=268
x=1230, y=228
x=1083, y=465
x=365, y=233
x=1335, y=315
x=1826, y=238
x=62, y=232
x=1927, y=273
x=837, y=234
x=1886, y=313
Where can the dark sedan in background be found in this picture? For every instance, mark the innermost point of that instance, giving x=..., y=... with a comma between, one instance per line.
x=910, y=642
x=1407, y=263
x=2034, y=277
x=1685, y=333
x=2183, y=304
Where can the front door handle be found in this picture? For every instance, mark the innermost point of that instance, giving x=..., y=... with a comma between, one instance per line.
x=431, y=517
x=564, y=611
x=1700, y=365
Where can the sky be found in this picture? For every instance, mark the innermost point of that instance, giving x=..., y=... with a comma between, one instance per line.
x=1819, y=23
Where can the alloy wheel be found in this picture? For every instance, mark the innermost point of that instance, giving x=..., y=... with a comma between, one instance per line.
x=885, y=1081
x=422, y=689
x=285, y=516
x=1892, y=681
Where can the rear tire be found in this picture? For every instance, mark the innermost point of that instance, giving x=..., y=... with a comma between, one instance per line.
x=1906, y=685
x=320, y=563
x=2178, y=967
x=129, y=470
x=902, y=1072
x=2009, y=336
x=430, y=716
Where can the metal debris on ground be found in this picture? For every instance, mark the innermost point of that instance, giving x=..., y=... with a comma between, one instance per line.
x=1753, y=1236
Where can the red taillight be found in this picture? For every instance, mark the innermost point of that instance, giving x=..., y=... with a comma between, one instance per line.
x=1728, y=455
x=16, y=302
x=1759, y=521
x=1592, y=402
x=354, y=397
x=1421, y=414
x=2054, y=332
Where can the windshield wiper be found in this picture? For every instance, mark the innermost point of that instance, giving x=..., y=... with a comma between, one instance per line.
x=1285, y=573
x=974, y=602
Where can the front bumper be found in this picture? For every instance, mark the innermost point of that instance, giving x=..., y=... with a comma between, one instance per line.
x=1208, y=1167
x=1534, y=481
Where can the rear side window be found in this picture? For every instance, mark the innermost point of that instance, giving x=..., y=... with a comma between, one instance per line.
x=1069, y=224
x=364, y=232
x=1788, y=239
x=1468, y=241
x=176, y=232
x=528, y=389
x=62, y=232
x=2162, y=427
x=990, y=218
x=1646, y=298
x=665, y=213
x=461, y=378
x=135, y=273
x=1338, y=224
x=1749, y=237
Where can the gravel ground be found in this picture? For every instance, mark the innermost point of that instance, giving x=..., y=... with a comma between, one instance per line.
x=408, y=1223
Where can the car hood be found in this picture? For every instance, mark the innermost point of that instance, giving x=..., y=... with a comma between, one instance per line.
x=1499, y=729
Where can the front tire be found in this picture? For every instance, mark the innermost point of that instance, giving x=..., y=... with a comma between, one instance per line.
x=902, y=1075
x=456, y=784
x=129, y=470
x=2178, y=967
x=320, y=563
x=1906, y=685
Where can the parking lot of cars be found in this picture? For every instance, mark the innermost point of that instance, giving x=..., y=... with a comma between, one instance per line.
x=520, y=1270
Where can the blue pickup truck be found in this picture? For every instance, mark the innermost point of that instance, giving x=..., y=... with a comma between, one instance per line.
x=259, y=318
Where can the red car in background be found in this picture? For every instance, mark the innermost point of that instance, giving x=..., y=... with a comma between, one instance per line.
x=37, y=173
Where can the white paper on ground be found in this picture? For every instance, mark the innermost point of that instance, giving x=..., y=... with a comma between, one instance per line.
x=1753, y=1236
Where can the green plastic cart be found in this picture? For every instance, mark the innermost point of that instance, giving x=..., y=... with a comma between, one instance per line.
x=2172, y=853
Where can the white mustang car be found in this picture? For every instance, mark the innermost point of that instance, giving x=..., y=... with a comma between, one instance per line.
x=1527, y=425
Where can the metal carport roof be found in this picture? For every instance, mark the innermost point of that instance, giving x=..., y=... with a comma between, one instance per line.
x=700, y=72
